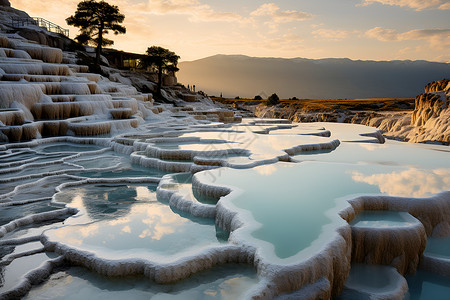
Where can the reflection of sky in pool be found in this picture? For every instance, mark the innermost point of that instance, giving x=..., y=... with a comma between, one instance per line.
x=261, y=146
x=131, y=222
x=122, y=168
x=51, y=148
x=290, y=209
x=228, y=282
x=390, y=153
x=195, y=146
x=291, y=201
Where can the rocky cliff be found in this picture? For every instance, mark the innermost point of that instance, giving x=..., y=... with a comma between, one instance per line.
x=431, y=116
x=29, y=31
x=436, y=86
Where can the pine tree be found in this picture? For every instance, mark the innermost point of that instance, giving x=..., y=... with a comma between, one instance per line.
x=96, y=19
x=163, y=60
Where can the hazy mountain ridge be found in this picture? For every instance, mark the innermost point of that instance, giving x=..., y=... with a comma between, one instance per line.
x=330, y=78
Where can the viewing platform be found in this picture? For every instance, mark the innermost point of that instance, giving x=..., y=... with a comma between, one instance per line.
x=17, y=22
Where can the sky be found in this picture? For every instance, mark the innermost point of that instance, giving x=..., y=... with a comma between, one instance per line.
x=355, y=29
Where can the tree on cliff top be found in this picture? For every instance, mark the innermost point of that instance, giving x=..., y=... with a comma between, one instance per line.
x=96, y=19
x=163, y=60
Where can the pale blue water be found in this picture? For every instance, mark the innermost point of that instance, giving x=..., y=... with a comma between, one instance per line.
x=13, y=272
x=291, y=201
x=391, y=153
x=126, y=220
x=291, y=208
x=438, y=247
x=427, y=286
x=227, y=282
x=383, y=219
x=194, y=145
x=101, y=161
x=124, y=169
x=10, y=213
x=17, y=156
x=22, y=173
x=370, y=277
x=371, y=282
x=67, y=147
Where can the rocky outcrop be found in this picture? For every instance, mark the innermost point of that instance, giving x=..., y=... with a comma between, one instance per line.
x=428, y=105
x=32, y=32
x=50, y=39
x=436, y=86
x=431, y=116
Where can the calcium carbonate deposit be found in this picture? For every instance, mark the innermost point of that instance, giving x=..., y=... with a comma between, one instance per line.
x=104, y=195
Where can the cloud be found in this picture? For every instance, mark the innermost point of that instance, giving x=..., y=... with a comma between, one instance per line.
x=171, y=6
x=408, y=183
x=382, y=34
x=160, y=223
x=273, y=11
x=331, y=34
x=414, y=4
x=196, y=11
x=443, y=58
x=45, y=6
x=285, y=40
x=438, y=38
x=266, y=170
x=193, y=8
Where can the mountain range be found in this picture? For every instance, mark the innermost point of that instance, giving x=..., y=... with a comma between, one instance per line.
x=332, y=78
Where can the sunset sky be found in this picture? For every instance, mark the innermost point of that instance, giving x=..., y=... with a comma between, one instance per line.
x=357, y=29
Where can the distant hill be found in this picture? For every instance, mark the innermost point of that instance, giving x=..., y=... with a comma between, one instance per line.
x=333, y=78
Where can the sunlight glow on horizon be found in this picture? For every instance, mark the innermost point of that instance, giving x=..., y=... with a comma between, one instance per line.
x=355, y=29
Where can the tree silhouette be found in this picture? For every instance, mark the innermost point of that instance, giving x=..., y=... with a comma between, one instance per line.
x=96, y=19
x=273, y=99
x=163, y=60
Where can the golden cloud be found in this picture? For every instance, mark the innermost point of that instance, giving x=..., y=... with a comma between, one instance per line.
x=414, y=4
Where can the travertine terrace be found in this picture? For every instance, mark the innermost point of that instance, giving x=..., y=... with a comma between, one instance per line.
x=104, y=193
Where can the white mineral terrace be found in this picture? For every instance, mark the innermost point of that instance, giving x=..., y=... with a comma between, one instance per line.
x=104, y=196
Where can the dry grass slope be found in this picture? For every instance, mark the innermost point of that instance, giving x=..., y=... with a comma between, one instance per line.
x=370, y=104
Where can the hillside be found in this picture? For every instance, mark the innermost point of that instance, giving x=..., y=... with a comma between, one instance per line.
x=237, y=75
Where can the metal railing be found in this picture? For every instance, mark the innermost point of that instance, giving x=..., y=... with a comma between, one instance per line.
x=17, y=22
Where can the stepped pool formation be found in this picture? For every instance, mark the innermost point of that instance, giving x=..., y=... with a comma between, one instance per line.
x=105, y=195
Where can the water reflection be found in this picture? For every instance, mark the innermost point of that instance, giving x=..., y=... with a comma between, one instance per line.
x=261, y=146
x=408, y=183
x=290, y=208
x=391, y=153
x=161, y=223
x=227, y=282
x=123, y=218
